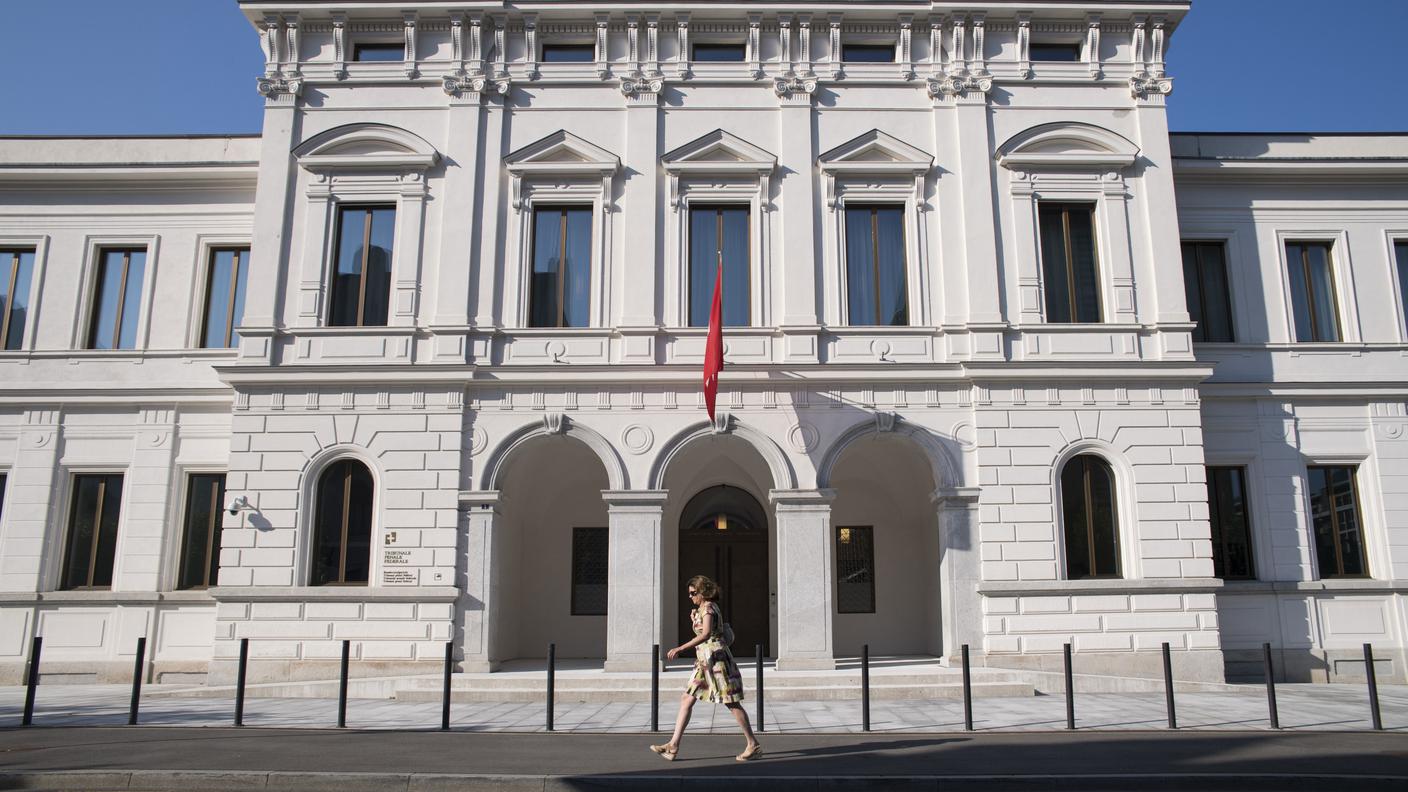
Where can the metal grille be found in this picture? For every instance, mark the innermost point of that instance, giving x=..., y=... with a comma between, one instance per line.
x=589, y=570
x=855, y=569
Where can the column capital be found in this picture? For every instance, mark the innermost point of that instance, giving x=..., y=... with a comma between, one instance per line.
x=956, y=497
x=480, y=500
x=802, y=499
x=635, y=500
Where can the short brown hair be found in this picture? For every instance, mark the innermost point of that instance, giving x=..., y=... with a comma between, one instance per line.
x=705, y=587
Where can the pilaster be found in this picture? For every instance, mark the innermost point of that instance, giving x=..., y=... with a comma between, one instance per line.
x=960, y=572
x=805, y=582
x=268, y=263
x=30, y=502
x=491, y=269
x=640, y=201
x=148, y=491
x=796, y=154
x=482, y=581
x=452, y=284
x=634, y=592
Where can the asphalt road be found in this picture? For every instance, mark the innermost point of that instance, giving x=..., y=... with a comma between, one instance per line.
x=214, y=759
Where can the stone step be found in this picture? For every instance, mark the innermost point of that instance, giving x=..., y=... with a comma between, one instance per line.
x=641, y=695
x=675, y=678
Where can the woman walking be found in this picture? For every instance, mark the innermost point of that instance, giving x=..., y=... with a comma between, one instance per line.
x=716, y=676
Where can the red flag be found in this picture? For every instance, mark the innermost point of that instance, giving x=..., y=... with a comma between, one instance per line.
x=714, y=345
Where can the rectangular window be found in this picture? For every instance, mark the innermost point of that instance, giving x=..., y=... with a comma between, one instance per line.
x=1231, y=529
x=1312, y=291
x=562, y=263
x=1334, y=519
x=718, y=53
x=1205, y=283
x=718, y=236
x=361, y=279
x=855, y=569
x=224, y=296
x=377, y=51
x=875, y=270
x=569, y=53
x=117, y=299
x=1070, y=269
x=200, y=550
x=1400, y=252
x=92, y=532
x=16, y=270
x=1053, y=52
x=589, y=570
x=868, y=53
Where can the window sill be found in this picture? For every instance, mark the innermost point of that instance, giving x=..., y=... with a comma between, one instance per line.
x=334, y=594
x=104, y=597
x=1332, y=586
x=1101, y=586
x=326, y=330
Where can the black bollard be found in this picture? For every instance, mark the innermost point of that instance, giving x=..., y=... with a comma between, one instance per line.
x=342, y=685
x=1270, y=685
x=1373, y=687
x=655, y=687
x=865, y=687
x=31, y=681
x=1070, y=692
x=445, y=690
x=239, y=681
x=759, y=655
x=552, y=671
x=1168, y=688
x=137, y=680
x=967, y=693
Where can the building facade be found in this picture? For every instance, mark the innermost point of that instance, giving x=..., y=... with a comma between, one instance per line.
x=1008, y=365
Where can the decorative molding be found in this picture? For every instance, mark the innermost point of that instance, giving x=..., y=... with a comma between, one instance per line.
x=755, y=62
x=723, y=422
x=718, y=153
x=637, y=438
x=1067, y=146
x=905, y=56
x=411, y=34
x=872, y=154
x=278, y=86
x=561, y=154
x=555, y=423
x=803, y=437
x=1092, y=45
x=885, y=421
x=530, y=45
x=1149, y=87
x=682, y=38
x=833, y=54
x=602, y=21
x=795, y=88
x=640, y=87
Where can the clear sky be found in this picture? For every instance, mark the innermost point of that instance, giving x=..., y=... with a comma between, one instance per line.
x=188, y=66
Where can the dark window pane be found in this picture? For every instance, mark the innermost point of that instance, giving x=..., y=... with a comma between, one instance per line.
x=855, y=569
x=589, y=571
x=1400, y=251
x=1205, y=283
x=16, y=269
x=576, y=292
x=569, y=53
x=561, y=278
x=361, y=281
x=1334, y=516
x=1090, y=515
x=1070, y=271
x=719, y=234
x=117, y=303
x=200, y=553
x=1231, y=530
x=343, y=525
x=224, y=304
x=719, y=53
x=868, y=53
x=92, y=534
x=860, y=267
x=1312, y=291
x=376, y=51
x=875, y=266
x=1054, y=52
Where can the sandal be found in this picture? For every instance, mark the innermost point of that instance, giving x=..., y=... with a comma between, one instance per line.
x=750, y=752
x=666, y=751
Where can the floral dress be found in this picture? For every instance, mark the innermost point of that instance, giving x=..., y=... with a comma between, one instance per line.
x=716, y=676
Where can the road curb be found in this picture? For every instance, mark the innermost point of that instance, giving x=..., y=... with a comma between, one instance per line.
x=235, y=781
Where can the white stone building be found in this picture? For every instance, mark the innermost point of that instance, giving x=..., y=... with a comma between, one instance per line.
x=421, y=363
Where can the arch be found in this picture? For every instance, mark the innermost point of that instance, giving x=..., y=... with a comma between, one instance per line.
x=344, y=522
x=783, y=476
x=366, y=145
x=947, y=472
x=556, y=425
x=1067, y=145
x=1122, y=475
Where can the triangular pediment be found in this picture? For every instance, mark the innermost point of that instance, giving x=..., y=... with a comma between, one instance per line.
x=563, y=149
x=719, y=148
x=876, y=148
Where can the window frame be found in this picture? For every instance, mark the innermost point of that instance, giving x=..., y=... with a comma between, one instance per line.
x=867, y=45
x=88, y=294
x=1095, y=232
x=1355, y=467
x=380, y=45
x=836, y=548
x=718, y=207
x=575, y=609
x=40, y=245
x=207, y=284
x=369, y=207
x=1123, y=566
x=1394, y=238
x=213, y=531
x=589, y=46
x=1248, y=525
x=861, y=204
x=532, y=252
x=13, y=253
x=69, y=523
x=94, y=304
x=310, y=556
x=1078, y=47
x=1224, y=244
x=1304, y=264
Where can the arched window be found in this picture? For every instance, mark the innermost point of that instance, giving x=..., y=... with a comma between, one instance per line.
x=342, y=528
x=1088, y=510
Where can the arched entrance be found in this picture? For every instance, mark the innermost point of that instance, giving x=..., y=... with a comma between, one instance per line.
x=724, y=534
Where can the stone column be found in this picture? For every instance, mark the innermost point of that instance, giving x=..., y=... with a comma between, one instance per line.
x=806, y=581
x=634, y=593
x=482, y=580
x=960, y=607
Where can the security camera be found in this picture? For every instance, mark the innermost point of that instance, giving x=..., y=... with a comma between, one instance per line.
x=238, y=504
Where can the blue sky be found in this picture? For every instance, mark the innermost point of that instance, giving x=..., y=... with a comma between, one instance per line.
x=188, y=66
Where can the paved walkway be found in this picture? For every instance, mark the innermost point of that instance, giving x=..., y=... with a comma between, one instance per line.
x=1301, y=707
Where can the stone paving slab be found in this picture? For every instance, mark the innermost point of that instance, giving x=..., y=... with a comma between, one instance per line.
x=1316, y=707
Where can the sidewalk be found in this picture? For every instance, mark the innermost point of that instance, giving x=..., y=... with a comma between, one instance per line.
x=1301, y=707
x=216, y=760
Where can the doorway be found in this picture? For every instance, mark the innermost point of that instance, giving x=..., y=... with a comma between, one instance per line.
x=724, y=534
